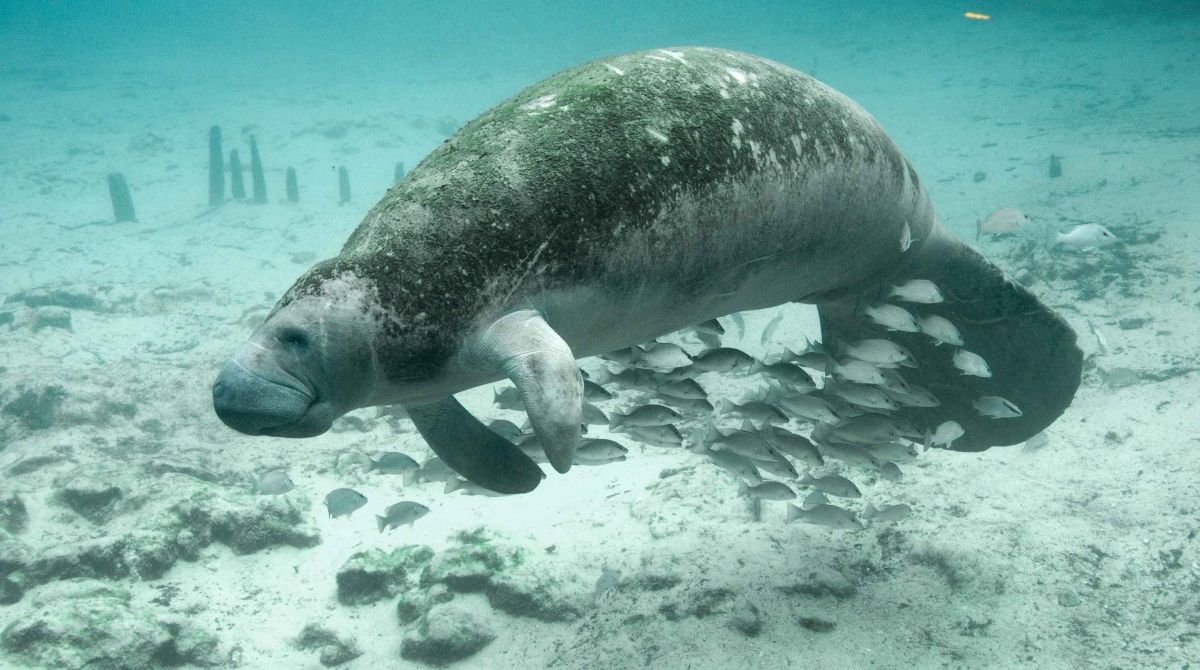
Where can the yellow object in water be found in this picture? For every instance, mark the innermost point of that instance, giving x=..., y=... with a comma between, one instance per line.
x=977, y=16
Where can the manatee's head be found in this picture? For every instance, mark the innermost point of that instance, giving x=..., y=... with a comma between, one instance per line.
x=312, y=360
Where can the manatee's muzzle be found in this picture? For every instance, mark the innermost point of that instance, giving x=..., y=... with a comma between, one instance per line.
x=250, y=403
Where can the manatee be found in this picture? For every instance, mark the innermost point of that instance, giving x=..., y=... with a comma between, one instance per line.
x=610, y=204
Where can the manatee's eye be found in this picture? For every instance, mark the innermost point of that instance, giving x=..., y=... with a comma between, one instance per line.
x=293, y=338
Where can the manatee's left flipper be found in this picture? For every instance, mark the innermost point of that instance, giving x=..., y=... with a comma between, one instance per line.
x=1031, y=351
x=540, y=363
x=472, y=449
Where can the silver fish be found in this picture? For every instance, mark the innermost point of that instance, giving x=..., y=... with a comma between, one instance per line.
x=862, y=372
x=791, y=376
x=700, y=406
x=940, y=330
x=1036, y=443
x=594, y=392
x=343, y=502
x=796, y=446
x=915, y=396
x=645, y=415
x=768, y=490
x=893, y=451
x=506, y=429
x=851, y=454
x=776, y=465
x=620, y=356
x=995, y=407
x=659, y=436
x=395, y=463
x=723, y=359
x=769, y=331
x=971, y=363
x=862, y=395
x=738, y=466
x=468, y=488
x=887, y=513
x=598, y=449
x=403, y=513
x=271, y=483
x=746, y=443
x=893, y=381
x=891, y=472
x=877, y=351
x=1085, y=237
x=905, y=237
x=434, y=470
x=813, y=499
x=920, y=291
x=945, y=434
x=711, y=327
x=892, y=317
x=808, y=407
x=593, y=415
x=834, y=485
x=867, y=429
x=756, y=410
x=824, y=515
x=508, y=398
x=688, y=389
x=661, y=356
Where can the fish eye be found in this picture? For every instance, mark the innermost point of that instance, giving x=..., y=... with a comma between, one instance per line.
x=293, y=338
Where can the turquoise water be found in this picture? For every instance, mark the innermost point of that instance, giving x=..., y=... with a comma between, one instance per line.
x=138, y=530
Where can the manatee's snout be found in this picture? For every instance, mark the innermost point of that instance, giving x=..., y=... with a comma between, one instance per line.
x=250, y=403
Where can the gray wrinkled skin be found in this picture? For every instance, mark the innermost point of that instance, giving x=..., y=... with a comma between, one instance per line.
x=617, y=201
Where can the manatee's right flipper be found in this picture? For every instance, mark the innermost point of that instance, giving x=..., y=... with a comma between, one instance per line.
x=1031, y=350
x=472, y=449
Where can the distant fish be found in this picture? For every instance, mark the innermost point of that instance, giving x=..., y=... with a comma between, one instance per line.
x=834, y=485
x=1005, y=221
x=890, y=471
x=401, y=514
x=792, y=376
x=813, y=499
x=940, y=330
x=855, y=370
x=738, y=466
x=945, y=434
x=1036, y=443
x=867, y=429
x=755, y=410
x=739, y=321
x=892, y=317
x=688, y=389
x=593, y=392
x=862, y=395
x=506, y=429
x=723, y=359
x=777, y=465
x=395, y=463
x=995, y=407
x=609, y=580
x=1085, y=237
x=711, y=327
x=468, y=488
x=508, y=398
x=796, y=446
x=620, y=356
x=887, y=513
x=772, y=325
x=893, y=451
x=271, y=483
x=434, y=470
x=660, y=356
x=970, y=363
x=746, y=442
x=344, y=502
x=593, y=415
x=645, y=415
x=893, y=381
x=659, y=436
x=851, y=454
x=920, y=291
x=905, y=237
x=808, y=407
x=596, y=451
x=878, y=352
x=1121, y=377
x=768, y=490
x=824, y=515
x=700, y=406
x=915, y=396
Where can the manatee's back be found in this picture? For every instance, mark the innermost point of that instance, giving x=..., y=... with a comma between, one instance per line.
x=661, y=146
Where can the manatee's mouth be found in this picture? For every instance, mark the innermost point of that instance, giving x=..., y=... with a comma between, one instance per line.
x=251, y=403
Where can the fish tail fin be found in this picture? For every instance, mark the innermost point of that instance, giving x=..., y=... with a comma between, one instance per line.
x=794, y=512
x=757, y=366
x=1032, y=351
x=409, y=477
x=381, y=522
x=743, y=489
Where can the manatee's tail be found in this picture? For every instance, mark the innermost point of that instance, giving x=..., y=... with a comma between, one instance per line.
x=1031, y=351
